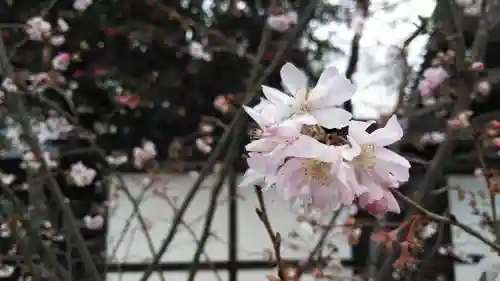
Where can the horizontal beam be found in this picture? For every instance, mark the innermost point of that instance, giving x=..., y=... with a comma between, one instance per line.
x=216, y=265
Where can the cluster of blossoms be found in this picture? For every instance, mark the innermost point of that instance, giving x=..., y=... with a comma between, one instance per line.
x=294, y=153
x=442, y=67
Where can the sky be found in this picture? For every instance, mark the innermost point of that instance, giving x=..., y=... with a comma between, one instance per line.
x=383, y=31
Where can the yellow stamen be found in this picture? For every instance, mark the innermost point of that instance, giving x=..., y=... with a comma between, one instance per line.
x=367, y=158
x=318, y=170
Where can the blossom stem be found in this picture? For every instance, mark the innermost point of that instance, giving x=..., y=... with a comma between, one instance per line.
x=448, y=220
x=274, y=236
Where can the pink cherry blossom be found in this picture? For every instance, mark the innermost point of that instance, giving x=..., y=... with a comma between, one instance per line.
x=61, y=61
x=433, y=77
x=477, y=66
x=375, y=166
x=144, y=154
x=37, y=28
x=380, y=206
x=315, y=174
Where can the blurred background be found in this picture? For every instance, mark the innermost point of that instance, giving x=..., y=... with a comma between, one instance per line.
x=144, y=98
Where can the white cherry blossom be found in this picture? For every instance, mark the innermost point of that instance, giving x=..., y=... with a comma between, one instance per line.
x=81, y=175
x=320, y=105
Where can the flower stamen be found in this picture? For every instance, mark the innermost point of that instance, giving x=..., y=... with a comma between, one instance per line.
x=367, y=158
x=318, y=170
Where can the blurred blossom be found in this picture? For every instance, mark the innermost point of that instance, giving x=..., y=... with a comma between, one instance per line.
x=37, y=29
x=82, y=5
x=206, y=128
x=197, y=51
x=477, y=66
x=61, y=61
x=9, y=86
x=429, y=230
x=483, y=87
x=222, y=103
x=282, y=22
x=93, y=222
x=62, y=25
x=57, y=40
x=433, y=77
x=203, y=145
x=81, y=175
x=144, y=154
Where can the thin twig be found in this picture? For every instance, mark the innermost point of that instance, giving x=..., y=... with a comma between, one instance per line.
x=274, y=236
x=448, y=220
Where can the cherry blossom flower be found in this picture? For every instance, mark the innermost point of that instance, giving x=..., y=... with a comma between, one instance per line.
x=429, y=230
x=433, y=77
x=130, y=100
x=477, y=66
x=319, y=105
x=7, y=179
x=222, y=103
x=315, y=174
x=117, y=160
x=31, y=161
x=61, y=61
x=37, y=29
x=57, y=40
x=483, y=87
x=203, y=146
x=144, y=154
x=93, y=222
x=82, y=5
x=379, y=206
x=376, y=167
x=255, y=178
x=81, y=175
x=9, y=86
x=6, y=270
x=267, y=152
x=62, y=25
x=197, y=51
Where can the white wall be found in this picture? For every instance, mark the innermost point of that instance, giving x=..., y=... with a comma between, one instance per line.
x=462, y=211
x=252, y=235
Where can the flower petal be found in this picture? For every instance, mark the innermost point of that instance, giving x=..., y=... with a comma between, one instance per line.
x=357, y=131
x=390, y=156
x=294, y=80
x=308, y=147
x=392, y=203
x=276, y=96
x=331, y=118
x=332, y=88
x=251, y=178
x=389, y=134
x=350, y=152
x=260, y=119
x=261, y=145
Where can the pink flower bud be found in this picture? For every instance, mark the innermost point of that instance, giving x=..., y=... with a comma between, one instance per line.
x=316, y=272
x=61, y=61
x=477, y=66
x=454, y=124
x=496, y=142
x=495, y=124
